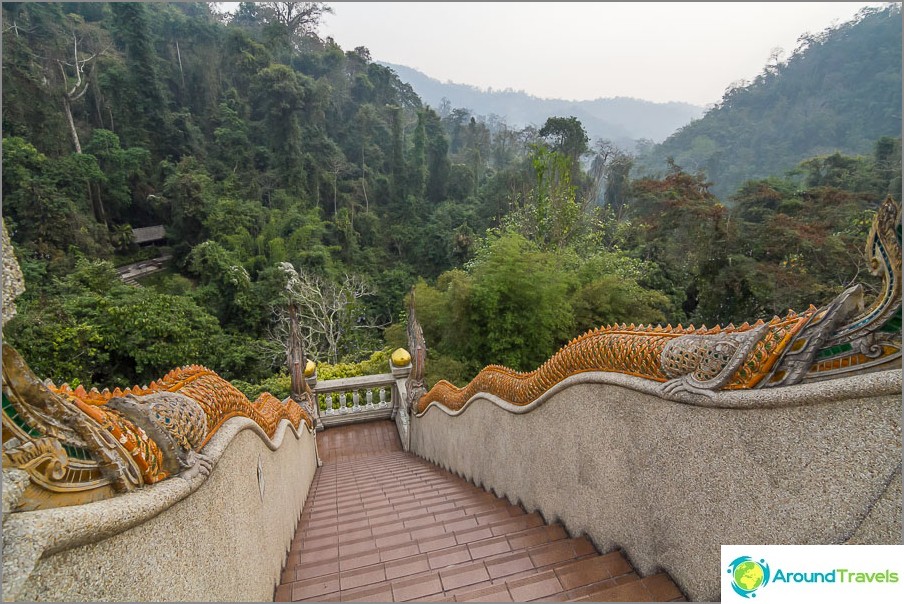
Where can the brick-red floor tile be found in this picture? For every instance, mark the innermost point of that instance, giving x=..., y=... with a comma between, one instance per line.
x=384, y=525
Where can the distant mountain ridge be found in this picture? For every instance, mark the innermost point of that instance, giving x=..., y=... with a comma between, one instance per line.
x=621, y=119
x=839, y=91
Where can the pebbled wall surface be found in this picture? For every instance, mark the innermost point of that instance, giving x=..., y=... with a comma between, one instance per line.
x=224, y=541
x=670, y=482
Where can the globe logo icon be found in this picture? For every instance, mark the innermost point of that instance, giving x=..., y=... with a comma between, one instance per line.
x=748, y=575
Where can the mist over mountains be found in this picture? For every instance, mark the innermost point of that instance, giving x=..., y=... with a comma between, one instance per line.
x=622, y=120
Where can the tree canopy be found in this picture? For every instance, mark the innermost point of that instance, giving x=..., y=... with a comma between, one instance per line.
x=260, y=146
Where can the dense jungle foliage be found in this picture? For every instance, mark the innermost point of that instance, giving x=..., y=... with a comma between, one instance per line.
x=285, y=168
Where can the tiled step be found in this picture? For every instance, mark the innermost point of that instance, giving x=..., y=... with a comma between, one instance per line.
x=383, y=525
x=388, y=529
x=324, y=558
x=425, y=575
x=563, y=581
x=655, y=588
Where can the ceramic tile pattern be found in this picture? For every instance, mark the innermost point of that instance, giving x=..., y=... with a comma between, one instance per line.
x=382, y=525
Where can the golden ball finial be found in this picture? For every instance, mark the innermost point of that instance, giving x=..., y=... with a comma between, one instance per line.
x=310, y=368
x=400, y=357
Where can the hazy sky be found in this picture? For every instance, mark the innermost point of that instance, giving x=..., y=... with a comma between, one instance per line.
x=584, y=50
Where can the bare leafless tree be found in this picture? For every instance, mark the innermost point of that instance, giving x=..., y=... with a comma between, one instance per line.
x=78, y=89
x=324, y=311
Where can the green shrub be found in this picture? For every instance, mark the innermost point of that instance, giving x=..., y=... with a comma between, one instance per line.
x=279, y=385
x=377, y=363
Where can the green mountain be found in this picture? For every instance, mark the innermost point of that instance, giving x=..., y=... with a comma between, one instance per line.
x=622, y=120
x=257, y=146
x=839, y=91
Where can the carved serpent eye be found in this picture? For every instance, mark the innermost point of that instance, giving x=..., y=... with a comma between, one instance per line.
x=56, y=470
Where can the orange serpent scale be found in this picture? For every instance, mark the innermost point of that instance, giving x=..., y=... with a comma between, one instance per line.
x=219, y=399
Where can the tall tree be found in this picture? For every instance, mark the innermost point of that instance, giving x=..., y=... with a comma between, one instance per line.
x=567, y=136
x=417, y=164
x=438, y=164
x=299, y=18
x=279, y=94
x=143, y=102
x=396, y=158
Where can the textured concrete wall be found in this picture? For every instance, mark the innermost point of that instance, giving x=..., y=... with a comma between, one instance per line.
x=670, y=482
x=13, y=282
x=223, y=542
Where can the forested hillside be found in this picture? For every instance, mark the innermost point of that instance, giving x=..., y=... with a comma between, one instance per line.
x=288, y=170
x=840, y=90
x=622, y=120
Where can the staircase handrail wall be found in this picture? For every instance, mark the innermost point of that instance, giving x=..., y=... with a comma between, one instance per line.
x=671, y=441
x=217, y=537
x=669, y=481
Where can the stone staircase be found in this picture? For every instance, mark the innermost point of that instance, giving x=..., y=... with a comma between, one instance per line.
x=384, y=525
x=130, y=273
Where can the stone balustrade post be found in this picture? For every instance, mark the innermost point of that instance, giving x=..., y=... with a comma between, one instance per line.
x=400, y=368
x=310, y=377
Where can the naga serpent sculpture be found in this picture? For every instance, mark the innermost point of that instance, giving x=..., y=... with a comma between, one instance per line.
x=65, y=446
x=815, y=345
x=79, y=446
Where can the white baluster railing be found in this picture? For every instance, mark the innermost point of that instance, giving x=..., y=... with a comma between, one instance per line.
x=358, y=399
x=363, y=398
